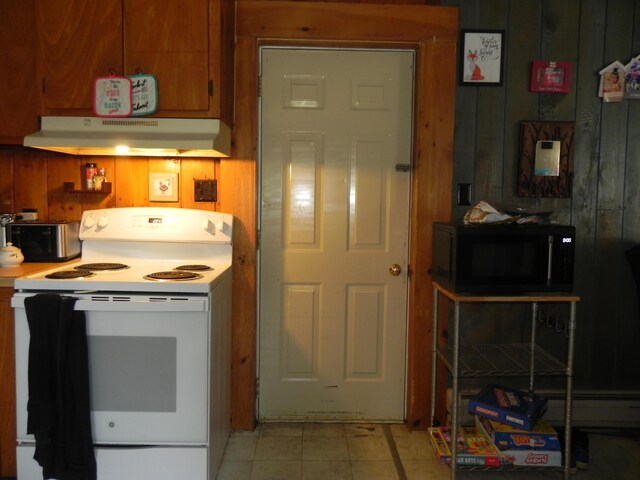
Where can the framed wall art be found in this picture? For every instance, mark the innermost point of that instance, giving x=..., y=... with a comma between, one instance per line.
x=482, y=57
x=550, y=76
x=163, y=187
x=546, y=159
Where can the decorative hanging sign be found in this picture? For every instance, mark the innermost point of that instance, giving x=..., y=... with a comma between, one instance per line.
x=611, y=87
x=632, y=79
x=145, y=94
x=112, y=96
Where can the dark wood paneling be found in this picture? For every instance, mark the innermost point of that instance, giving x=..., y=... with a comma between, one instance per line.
x=631, y=231
x=465, y=122
x=610, y=263
x=490, y=114
x=523, y=45
x=585, y=180
x=605, y=199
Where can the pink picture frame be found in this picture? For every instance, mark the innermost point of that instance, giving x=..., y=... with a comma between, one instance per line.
x=550, y=76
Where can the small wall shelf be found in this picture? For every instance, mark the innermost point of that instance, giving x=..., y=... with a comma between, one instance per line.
x=69, y=187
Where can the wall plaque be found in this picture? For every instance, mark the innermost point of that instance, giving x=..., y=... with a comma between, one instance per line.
x=546, y=159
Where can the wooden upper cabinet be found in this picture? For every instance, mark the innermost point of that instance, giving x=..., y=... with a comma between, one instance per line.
x=78, y=41
x=176, y=41
x=19, y=92
x=170, y=40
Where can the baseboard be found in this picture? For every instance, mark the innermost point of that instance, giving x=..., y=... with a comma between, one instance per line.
x=595, y=409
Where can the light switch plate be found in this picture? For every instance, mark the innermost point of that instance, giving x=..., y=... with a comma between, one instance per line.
x=464, y=194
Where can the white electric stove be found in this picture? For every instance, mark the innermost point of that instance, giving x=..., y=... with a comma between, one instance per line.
x=155, y=286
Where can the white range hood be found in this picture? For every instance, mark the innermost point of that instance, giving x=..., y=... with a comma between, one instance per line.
x=164, y=137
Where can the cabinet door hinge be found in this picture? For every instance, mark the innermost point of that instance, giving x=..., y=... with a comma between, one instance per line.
x=260, y=86
x=211, y=88
x=258, y=239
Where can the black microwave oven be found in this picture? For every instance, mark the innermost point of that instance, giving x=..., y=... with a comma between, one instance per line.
x=503, y=258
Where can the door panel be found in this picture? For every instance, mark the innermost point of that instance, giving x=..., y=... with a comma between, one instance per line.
x=334, y=217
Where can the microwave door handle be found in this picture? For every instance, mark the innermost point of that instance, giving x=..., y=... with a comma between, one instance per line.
x=549, y=258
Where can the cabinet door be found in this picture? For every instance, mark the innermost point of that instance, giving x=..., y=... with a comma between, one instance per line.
x=18, y=95
x=170, y=39
x=78, y=41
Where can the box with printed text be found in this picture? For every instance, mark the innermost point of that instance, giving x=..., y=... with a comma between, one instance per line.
x=508, y=405
x=542, y=437
x=522, y=457
x=473, y=447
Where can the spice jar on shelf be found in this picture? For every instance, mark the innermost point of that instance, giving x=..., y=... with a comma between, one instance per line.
x=99, y=179
x=90, y=169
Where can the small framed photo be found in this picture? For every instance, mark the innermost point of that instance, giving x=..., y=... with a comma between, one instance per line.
x=163, y=187
x=550, y=76
x=482, y=57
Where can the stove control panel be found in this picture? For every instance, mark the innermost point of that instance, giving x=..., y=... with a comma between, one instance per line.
x=157, y=224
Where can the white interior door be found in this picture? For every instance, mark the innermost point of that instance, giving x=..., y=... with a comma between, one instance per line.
x=336, y=129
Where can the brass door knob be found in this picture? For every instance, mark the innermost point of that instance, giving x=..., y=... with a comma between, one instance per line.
x=395, y=270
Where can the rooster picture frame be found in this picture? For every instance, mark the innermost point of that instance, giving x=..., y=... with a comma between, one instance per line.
x=163, y=187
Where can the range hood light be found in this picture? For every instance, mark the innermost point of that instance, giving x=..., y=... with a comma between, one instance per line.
x=154, y=137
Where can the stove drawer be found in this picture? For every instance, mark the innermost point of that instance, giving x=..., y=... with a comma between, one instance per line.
x=144, y=463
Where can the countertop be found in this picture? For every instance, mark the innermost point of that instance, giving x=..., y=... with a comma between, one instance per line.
x=9, y=274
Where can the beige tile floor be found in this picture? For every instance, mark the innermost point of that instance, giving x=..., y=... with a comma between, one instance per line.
x=327, y=451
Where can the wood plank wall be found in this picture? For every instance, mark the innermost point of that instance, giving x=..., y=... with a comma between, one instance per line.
x=605, y=203
x=33, y=179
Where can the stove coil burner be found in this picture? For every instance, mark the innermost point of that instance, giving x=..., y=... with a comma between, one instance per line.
x=102, y=266
x=173, y=275
x=194, y=268
x=70, y=274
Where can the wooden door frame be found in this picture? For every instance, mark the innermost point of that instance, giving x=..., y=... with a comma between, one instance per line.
x=432, y=32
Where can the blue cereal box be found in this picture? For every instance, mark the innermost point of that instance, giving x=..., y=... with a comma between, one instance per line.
x=542, y=437
x=507, y=405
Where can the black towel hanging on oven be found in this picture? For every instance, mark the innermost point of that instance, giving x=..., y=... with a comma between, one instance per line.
x=58, y=406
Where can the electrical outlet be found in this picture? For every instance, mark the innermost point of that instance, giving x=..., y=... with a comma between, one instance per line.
x=206, y=190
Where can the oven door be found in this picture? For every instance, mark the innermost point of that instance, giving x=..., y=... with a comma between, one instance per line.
x=148, y=366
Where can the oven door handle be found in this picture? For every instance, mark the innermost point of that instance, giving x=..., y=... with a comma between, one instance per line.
x=136, y=306
x=126, y=304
